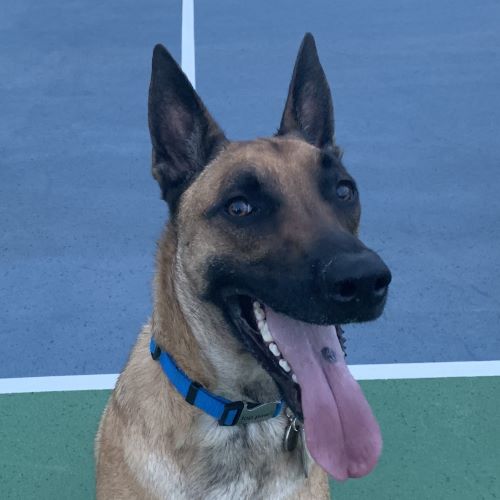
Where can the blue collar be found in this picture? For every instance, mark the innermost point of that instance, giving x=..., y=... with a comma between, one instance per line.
x=224, y=411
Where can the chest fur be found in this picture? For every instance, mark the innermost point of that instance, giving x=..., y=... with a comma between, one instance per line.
x=226, y=463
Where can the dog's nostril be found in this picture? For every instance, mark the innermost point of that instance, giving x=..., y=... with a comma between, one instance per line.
x=346, y=290
x=381, y=284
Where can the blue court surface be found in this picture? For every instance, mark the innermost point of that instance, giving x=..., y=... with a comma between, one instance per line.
x=416, y=89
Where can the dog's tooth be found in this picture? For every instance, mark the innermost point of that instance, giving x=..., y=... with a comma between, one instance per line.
x=258, y=311
x=274, y=349
x=266, y=334
x=284, y=364
x=294, y=378
x=259, y=314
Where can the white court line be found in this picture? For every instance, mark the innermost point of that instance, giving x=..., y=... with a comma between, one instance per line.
x=187, y=43
x=393, y=371
x=56, y=384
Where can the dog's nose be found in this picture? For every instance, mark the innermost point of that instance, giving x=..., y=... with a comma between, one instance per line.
x=358, y=277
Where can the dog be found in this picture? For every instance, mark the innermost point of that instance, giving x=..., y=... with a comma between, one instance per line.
x=237, y=387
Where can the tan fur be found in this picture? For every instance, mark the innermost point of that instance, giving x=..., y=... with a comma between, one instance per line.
x=151, y=444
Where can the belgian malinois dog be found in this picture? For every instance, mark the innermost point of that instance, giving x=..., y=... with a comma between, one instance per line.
x=237, y=388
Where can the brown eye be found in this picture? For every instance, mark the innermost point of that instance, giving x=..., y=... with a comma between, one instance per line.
x=239, y=207
x=345, y=190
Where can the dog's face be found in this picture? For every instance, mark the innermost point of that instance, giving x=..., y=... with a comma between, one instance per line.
x=265, y=227
x=276, y=220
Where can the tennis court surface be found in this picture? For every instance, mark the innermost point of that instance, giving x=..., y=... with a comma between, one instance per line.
x=417, y=106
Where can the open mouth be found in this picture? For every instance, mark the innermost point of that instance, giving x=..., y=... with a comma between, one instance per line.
x=249, y=316
x=307, y=362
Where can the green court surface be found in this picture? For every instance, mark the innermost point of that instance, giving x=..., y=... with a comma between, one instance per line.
x=441, y=441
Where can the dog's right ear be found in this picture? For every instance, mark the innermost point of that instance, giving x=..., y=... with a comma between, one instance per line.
x=309, y=109
x=184, y=135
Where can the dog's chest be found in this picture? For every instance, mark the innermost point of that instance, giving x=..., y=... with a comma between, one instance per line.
x=241, y=462
x=252, y=463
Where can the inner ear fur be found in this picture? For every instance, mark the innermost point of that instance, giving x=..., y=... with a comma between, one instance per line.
x=309, y=109
x=184, y=136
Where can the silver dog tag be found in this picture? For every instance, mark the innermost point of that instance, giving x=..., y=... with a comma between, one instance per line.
x=292, y=434
x=303, y=453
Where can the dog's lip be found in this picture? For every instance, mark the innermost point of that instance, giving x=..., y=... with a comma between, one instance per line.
x=329, y=316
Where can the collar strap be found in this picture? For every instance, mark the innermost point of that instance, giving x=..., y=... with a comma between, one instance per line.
x=224, y=411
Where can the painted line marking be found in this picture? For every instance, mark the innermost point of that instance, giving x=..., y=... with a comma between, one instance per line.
x=187, y=42
x=393, y=371
x=396, y=371
x=56, y=384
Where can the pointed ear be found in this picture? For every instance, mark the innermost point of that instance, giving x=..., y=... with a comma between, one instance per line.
x=184, y=135
x=309, y=109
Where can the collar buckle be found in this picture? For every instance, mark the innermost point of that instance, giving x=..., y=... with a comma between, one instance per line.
x=241, y=412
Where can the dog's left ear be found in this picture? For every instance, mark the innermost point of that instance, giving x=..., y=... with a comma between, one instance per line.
x=309, y=110
x=184, y=135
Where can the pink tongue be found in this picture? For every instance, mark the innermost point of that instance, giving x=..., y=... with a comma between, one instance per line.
x=342, y=434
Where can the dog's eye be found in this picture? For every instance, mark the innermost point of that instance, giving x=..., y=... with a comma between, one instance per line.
x=345, y=190
x=239, y=207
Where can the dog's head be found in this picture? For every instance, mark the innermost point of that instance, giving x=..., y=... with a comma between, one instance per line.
x=267, y=229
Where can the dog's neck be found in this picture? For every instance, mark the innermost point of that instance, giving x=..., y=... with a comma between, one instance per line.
x=208, y=458
x=202, y=347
